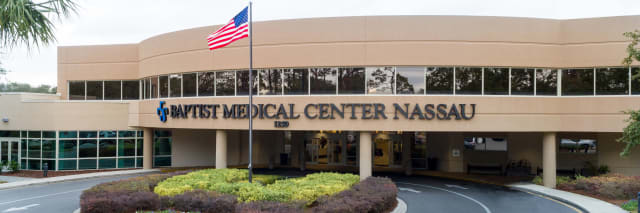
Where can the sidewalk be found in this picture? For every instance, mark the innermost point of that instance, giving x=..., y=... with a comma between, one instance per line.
x=12, y=179
x=73, y=177
x=585, y=203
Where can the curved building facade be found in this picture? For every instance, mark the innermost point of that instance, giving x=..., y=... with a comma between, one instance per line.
x=449, y=93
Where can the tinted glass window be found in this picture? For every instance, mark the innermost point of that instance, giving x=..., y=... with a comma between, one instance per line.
x=577, y=82
x=88, y=148
x=107, y=148
x=162, y=146
x=351, y=80
x=225, y=83
x=485, y=144
x=49, y=134
x=496, y=81
x=271, y=82
x=68, y=149
x=635, y=81
x=547, y=82
x=410, y=80
x=76, y=90
x=87, y=164
x=522, y=81
x=380, y=80
x=189, y=87
x=468, y=80
x=94, y=90
x=296, y=81
x=164, y=86
x=439, y=80
x=154, y=87
x=243, y=82
x=35, y=134
x=49, y=149
x=126, y=147
x=578, y=146
x=34, y=148
x=88, y=134
x=112, y=90
x=147, y=88
x=130, y=90
x=175, y=85
x=206, y=83
x=68, y=134
x=323, y=80
x=612, y=81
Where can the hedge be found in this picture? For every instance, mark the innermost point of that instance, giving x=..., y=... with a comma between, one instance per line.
x=137, y=195
x=268, y=188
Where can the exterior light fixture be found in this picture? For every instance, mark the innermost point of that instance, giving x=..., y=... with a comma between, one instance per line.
x=5, y=120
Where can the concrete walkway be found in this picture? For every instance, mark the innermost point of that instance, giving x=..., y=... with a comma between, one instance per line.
x=11, y=179
x=38, y=181
x=585, y=203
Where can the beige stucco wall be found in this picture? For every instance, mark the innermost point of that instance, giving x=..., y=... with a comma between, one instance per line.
x=493, y=114
x=24, y=113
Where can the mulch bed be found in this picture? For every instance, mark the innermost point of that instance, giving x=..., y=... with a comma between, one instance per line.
x=38, y=174
x=585, y=193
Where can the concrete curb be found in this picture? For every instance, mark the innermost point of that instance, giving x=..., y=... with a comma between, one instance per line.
x=73, y=177
x=400, y=208
x=580, y=202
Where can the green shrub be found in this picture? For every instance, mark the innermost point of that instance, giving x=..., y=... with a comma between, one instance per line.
x=560, y=180
x=537, y=180
x=631, y=205
x=265, y=188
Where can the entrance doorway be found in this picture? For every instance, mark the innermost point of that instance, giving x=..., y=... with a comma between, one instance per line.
x=9, y=150
x=332, y=148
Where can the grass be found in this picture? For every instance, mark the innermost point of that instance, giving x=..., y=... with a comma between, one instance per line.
x=1, y=182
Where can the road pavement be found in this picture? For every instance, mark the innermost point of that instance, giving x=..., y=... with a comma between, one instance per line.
x=421, y=194
x=52, y=198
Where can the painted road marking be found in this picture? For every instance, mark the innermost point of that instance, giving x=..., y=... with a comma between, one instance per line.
x=486, y=209
x=20, y=208
x=557, y=201
x=408, y=189
x=31, y=198
x=455, y=186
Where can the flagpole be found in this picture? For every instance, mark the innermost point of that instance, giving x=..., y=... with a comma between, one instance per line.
x=250, y=94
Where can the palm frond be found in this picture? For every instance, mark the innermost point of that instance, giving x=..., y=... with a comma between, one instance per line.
x=28, y=23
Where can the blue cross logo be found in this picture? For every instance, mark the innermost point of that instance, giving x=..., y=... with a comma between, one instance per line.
x=162, y=112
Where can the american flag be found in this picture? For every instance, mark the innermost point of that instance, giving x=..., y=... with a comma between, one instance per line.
x=236, y=29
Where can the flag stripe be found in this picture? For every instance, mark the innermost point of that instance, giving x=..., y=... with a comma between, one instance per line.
x=236, y=29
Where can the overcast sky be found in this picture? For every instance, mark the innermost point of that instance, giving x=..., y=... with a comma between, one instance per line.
x=131, y=21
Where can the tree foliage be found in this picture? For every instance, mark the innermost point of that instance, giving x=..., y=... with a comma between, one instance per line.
x=27, y=22
x=631, y=133
x=23, y=87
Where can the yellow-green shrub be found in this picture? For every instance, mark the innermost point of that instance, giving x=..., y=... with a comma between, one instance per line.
x=234, y=181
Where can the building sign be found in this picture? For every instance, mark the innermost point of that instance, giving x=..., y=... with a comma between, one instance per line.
x=364, y=111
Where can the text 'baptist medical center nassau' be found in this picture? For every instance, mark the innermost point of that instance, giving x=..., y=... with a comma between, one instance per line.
x=449, y=93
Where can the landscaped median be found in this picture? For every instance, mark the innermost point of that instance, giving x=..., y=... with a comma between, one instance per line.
x=228, y=190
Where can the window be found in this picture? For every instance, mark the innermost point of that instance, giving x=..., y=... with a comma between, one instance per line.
x=162, y=148
x=522, y=81
x=164, y=86
x=126, y=147
x=76, y=90
x=380, y=80
x=88, y=148
x=112, y=90
x=270, y=82
x=130, y=90
x=206, y=81
x=635, y=81
x=154, y=87
x=468, y=81
x=68, y=148
x=324, y=81
x=584, y=146
x=439, y=80
x=94, y=90
x=107, y=148
x=497, y=81
x=296, y=81
x=175, y=85
x=485, y=144
x=612, y=81
x=147, y=88
x=577, y=82
x=243, y=82
x=225, y=83
x=547, y=82
x=351, y=80
x=189, y=85
x=67, y=164
x=49, y=149
x=410, y=80
x=34, y=148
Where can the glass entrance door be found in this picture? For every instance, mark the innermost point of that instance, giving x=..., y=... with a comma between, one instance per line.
x=419, y=151
x=9, y=150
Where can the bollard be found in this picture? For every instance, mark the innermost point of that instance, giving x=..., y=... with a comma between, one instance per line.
x=45, y=169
